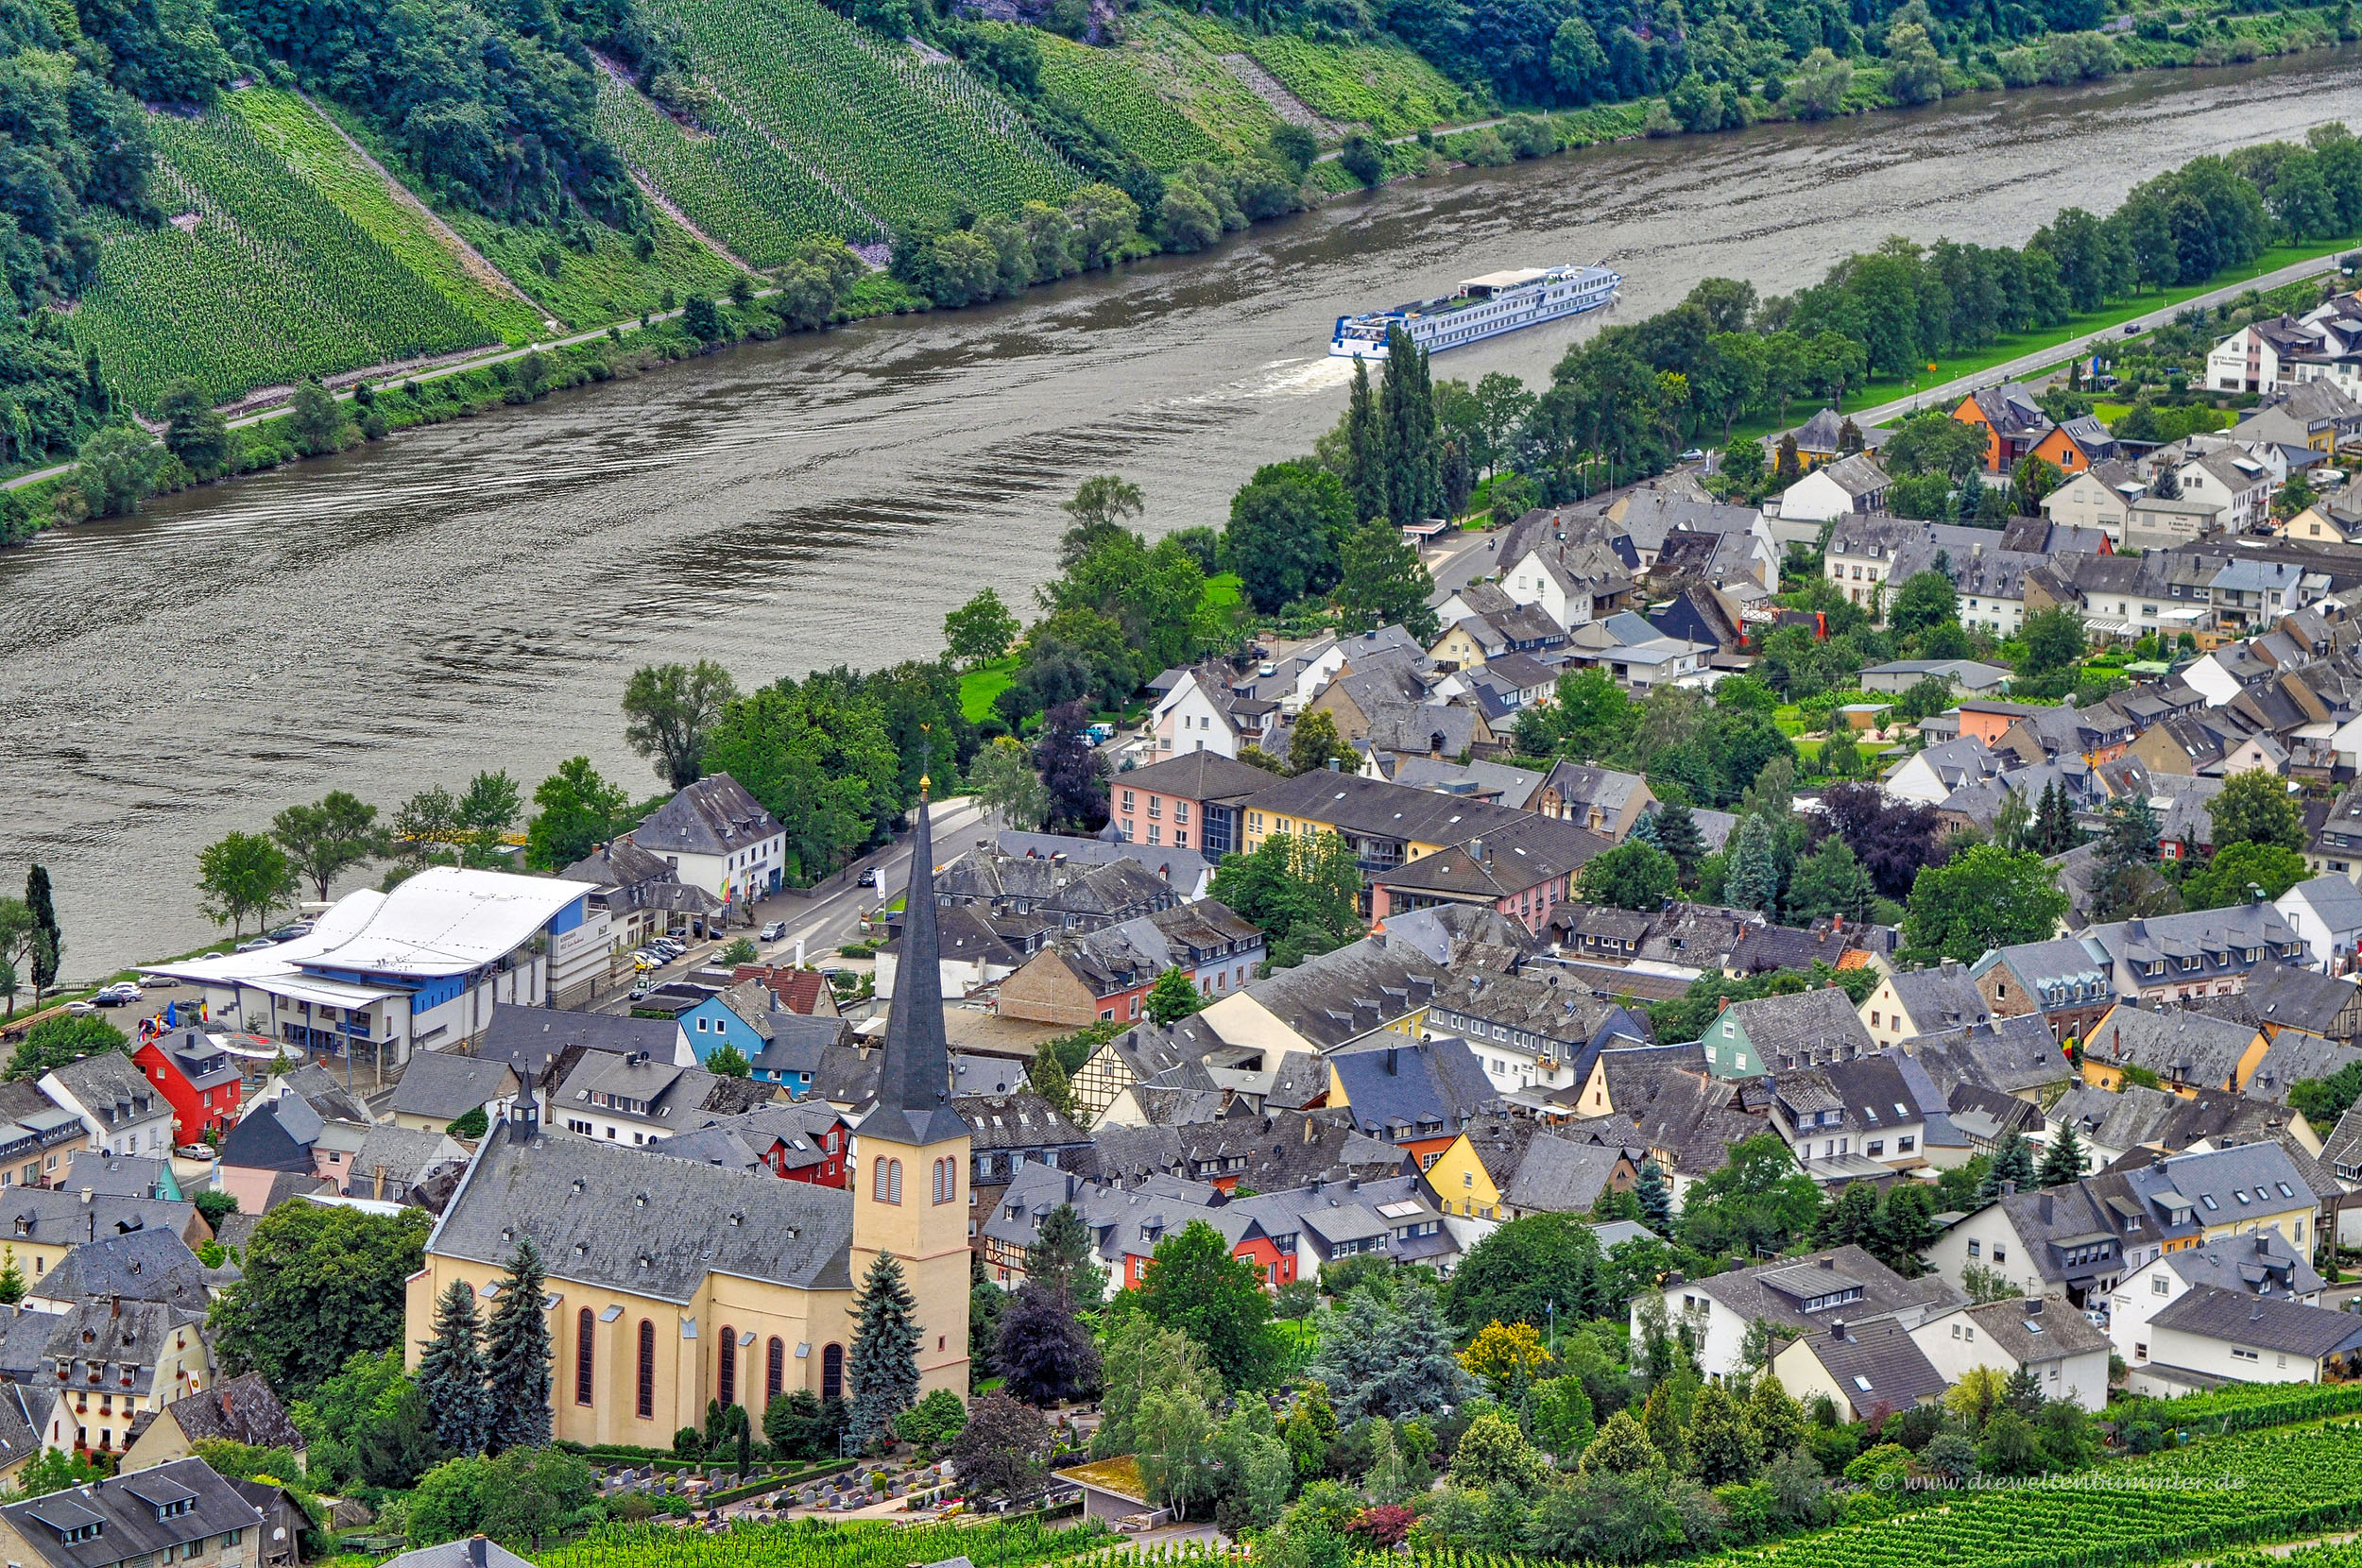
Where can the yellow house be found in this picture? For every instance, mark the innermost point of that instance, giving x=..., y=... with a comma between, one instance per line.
x=2185, y=1051
x=672, y=1282
x=1462, y=1185
x=40, y=1225
x=1476, y=1176
x=242, y=1408
x=2317, y=525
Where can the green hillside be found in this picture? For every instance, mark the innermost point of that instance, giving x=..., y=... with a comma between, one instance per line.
x=727, y=178
x=265, y=274
x=1378, y=83
x=915, y=142
x=1124, y=93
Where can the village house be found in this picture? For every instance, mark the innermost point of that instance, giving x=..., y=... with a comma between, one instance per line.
x=2261, y=1265
x=1775, y=1034
x=198, y=1080
x=181, y=1512
x=719, y=837
x=2013, y=422
x=2210, y=1335
x=2184, y=1051
x=2066, y=1355
x=1852, y=486
x=1911, y=1002
x=1863, y=1370
x=1189, y=801
x=1105, y=975
x=1795, y=1296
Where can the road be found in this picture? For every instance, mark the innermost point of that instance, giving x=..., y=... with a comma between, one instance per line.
x=1948, y=395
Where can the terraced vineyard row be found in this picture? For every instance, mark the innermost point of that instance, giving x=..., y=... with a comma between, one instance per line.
x=293, y=130
x=261, y=278
x=914, y=141
x=1385, y=87
x=1110, y=88
x=733, y=183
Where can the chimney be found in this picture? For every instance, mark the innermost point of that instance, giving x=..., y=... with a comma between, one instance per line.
x=1829, y=1263
x=2008, y=1189
x=477, y=1556
x=1335, y=765
x=1837, y=1328
x=1310, y=1135
x=2033, y=1307
x=86, y=1195
x=1389, y=1062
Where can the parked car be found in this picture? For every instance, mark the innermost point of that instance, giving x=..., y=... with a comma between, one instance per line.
x=78, y=1009
x=256, y=944
x=195, y=1152
x=1099, y=735
x=158, y=983
x=1694, y=455
x=121, y=994
x=775, y=930
x=289, y=932
x=641, y=987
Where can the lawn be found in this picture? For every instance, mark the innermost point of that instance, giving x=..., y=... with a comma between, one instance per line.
x=983, y=683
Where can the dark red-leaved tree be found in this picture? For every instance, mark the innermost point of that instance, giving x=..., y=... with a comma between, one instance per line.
x=1070, y=771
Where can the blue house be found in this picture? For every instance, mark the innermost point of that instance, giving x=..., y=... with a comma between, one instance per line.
x=783, y=1047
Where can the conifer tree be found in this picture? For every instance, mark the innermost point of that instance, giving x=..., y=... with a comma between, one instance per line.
x=1677, y=835
x=516, y=1355
x=1621, y=1448
x=1752, y=880
x=1061, y=1258
x=1772, y=1415
x=11, y=1279
x=885, y=1359
x=1407, y=418
x=2062, y=1161
x=1365, y=449
x=2012, y=1162
x=1656, y=1198
x=1721, y=1447
x=450, y=1374
x=48, y=939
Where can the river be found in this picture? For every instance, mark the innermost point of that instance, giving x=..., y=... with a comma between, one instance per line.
x=474, y=596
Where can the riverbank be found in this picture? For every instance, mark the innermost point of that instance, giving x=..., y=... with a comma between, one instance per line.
x=474, y=384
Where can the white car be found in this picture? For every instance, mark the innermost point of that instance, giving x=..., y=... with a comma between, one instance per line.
x=195, y=1152
x=775, y=930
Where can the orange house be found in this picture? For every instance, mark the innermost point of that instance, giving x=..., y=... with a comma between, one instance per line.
x=1990, y=720
x=2076, y=446
x=2014, y=423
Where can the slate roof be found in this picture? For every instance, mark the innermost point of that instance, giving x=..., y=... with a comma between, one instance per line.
x=609, y=1216
x=113, y=1088
x=472, y=1552
x=2037, y=1329
x=1199, y=775
x=1561, y=1176
x=146, y=1266
x=1800, y=1023
x=1876, y=1363
x=1346, y=993
x=2295, y=1056
x=714, y=816
x=2257, y=1264
x=405, y=1156
x=1019, y=1120
x=1500, y=863
x=444, y=1087
x=529, y=1038
x=1396, y=1091
x=1940, y=998
x=2183, y=1047
x=2261, y=1323
x=62, y=1218
x=205, y=1065
x=127, y=1510
x=242, y=1409
x=1776, y=1290
x=2136, y=1117
x=118, y=1175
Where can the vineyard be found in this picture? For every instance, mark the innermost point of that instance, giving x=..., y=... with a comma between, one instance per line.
x=260, y=278
x=1109, y=87
x=293, y=130
x=910, y=140
x=1383, y=86
x=2244, y=1407
x=822, y=1543
x=730, y=182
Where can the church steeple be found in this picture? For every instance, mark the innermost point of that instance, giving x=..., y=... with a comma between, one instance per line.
x=914, y=1085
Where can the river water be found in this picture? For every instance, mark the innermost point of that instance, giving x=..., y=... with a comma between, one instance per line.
x=474, y=595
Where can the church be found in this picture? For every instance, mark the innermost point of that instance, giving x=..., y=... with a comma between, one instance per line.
x=671, y=1282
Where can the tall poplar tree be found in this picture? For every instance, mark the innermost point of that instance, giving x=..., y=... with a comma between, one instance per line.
x=48, y=939
x=1406, y=407
x=884, y=1360
x=1365, y=449
x=516, y=1355
x=450, y=1374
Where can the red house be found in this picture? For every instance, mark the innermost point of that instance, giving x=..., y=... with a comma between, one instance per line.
x=197, y=1077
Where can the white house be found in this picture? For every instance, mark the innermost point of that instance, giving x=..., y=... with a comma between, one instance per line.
x=2250, y=359
x=1851, y=486
x=121, y=1111
x=2229, y=1334
x=1192, y=718
x=2067, y=1355
x=1538, y=579
x=2094, y=500
x=719, y=838
x=1930, y=778
x=2326, y=911
x=1796, y=1295
x=1911, y=1002
x=2261, y=1265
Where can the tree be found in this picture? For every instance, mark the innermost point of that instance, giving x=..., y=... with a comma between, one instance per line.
x=487, y=813
x=1523, y=1271
x=450, y=1374
x=1988, y=898
x=1139, y=1357
x=1002, y=779
x=1925, y=600
x=1310, y=1431
x=194, y=432
x=1101, y=506
x=1316, y=742
x=316, y=419
x=1501, y=1352
x=578, y=811
x=1656, y=1198
x=1721, y=1448
x=1171, y=998
x=2012, y=1163
x=981, y=630
x=1389, y=1360
x=1195, y=1285
x=320, y=1285
x=2239, y=873
x=116, y=470
x=516, y=1355
x=1362, y=158
x=1631, y=875
x=2062, y=1161
x=1778, y=1425
x=1751, y=875
x=1003, y=1450
x=1044, y=1353
x=368, y=1425
x=2254, y=806
x=1384, y=583
x=1293, y=882
x=324, y=841
x=729, y=1062
x=48, y=939
x=1492, y=1452
x=1829, y=881
x=668, y=708
x=1285, y=525
x=1071, y=771
x=54, y=1041
x=1677, y=835
x=701, y=320
x=1622, y=1448
x=927, y=1426
x=884, y=1360
x=12, y=1284
x=243, y=874
x=1062, y=1257
x=2054, y=642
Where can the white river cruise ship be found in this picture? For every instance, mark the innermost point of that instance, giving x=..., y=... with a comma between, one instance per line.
x=1480, y=308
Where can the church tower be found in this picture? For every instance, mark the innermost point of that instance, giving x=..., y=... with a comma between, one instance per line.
x=910, y=1177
